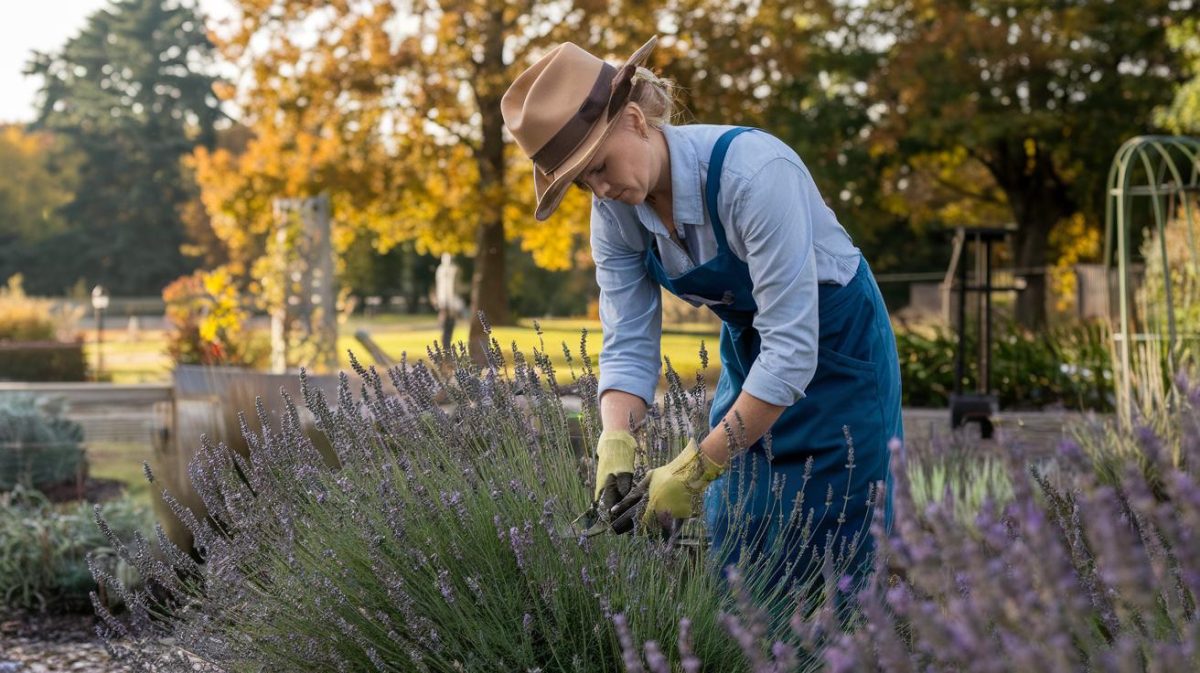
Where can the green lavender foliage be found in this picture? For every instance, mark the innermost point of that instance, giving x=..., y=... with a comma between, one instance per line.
x=965, y=475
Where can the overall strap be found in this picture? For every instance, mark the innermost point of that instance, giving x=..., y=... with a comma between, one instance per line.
x=712, y=185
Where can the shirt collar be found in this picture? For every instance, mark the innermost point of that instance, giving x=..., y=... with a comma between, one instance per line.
x=687, y=201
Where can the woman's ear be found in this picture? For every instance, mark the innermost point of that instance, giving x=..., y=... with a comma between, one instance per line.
x=637, y=120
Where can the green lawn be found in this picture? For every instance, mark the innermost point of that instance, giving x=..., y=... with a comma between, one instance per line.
x=121, y=461
x=140, y=360
x=681, y=347
x=144, y=359
x=388, y=321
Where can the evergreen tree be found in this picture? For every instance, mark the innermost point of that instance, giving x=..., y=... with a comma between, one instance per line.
x=134, y=94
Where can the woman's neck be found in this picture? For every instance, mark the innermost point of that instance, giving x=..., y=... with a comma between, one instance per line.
x=659, y=196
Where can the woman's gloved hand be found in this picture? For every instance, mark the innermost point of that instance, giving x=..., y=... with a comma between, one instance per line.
x=670, y=492
x=614, y=468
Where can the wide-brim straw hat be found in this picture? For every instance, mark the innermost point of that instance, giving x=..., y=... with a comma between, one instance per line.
x=560, y=111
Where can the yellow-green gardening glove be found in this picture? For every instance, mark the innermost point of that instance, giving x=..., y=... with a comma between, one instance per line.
x=614, y=467
x=670, y=492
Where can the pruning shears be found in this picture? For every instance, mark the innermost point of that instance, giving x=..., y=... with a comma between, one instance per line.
x=590, y=523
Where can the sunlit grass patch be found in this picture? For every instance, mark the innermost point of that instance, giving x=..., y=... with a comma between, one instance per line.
x=122, y=461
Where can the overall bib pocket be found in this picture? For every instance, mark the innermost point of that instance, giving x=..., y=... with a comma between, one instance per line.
x=836, y=359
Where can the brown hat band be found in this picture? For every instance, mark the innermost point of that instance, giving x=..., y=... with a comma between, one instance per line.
x=567, y=139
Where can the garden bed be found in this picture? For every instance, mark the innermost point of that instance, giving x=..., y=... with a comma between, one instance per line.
x=90, y=489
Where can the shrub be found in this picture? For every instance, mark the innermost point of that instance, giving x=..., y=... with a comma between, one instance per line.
x=37, y=341
x=1068, y=366
x=43, y=361
x=44, y=549
x=38, y=446
x=209, y=322
x=210, y=401
x=441, y=542
x=24, y=320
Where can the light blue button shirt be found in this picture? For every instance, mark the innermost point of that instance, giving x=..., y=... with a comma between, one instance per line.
x=775, y=221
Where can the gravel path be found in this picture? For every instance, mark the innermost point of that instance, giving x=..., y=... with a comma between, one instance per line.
x=53, y=644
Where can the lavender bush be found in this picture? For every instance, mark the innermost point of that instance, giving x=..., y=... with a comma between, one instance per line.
x=1091, y=569
x=440, y=541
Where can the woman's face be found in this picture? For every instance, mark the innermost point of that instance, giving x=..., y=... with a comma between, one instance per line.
x=623, y=169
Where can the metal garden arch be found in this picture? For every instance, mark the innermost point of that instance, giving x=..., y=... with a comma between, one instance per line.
x=1154, y=182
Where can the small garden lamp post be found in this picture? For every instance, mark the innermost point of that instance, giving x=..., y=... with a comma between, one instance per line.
x=99, y=302
x=982, y=404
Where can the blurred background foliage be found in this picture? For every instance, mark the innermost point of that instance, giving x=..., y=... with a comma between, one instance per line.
x=1065, y=367
x=44, y=549
x=912, y=116
x=39, y=447
x=162, y=136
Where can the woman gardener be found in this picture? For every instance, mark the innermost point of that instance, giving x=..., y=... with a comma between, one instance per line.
x=729, y=218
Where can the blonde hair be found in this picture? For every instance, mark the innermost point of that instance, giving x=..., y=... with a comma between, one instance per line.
x=654, y=95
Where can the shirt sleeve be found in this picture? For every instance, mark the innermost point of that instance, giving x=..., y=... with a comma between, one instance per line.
x=773, y=211
x=630, y=312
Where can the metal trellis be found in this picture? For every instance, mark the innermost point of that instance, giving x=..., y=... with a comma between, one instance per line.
x=1154, y=182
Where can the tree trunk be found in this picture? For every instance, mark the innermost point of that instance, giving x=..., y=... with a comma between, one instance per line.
x=489, y=285
x=1029, y=252
x=489, y=291
x=1039, y=200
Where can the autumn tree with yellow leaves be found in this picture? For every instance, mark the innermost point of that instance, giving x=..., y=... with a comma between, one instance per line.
x=907, y=116
x=393, y=109
x=37, y=178
x=1025, y=102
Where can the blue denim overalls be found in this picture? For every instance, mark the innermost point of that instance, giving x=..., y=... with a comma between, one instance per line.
x=856, y=386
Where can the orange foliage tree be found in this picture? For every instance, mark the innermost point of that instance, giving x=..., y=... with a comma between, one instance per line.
x=392, y=109
x=393, y=112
